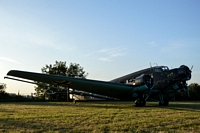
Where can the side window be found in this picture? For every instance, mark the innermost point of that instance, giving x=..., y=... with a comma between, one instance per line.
x=158, y=70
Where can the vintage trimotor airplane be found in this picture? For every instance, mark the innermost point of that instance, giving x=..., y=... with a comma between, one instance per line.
x=157, y=81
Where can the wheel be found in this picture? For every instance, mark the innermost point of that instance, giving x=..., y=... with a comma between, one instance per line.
x=165, y=102
x=161, y=103
x=140, y=102
x=143, y=102
x=74, y=101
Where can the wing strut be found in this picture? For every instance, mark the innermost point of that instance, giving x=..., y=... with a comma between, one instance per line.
x=20, y=80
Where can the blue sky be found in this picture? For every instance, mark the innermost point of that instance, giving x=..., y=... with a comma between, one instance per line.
x=109, y=38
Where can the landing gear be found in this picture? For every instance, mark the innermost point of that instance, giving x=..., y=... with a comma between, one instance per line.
x=163, y=101
x=74, y=101
x=140, y=102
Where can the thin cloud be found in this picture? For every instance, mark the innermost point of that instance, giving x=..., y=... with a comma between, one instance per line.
x=90, y=54
x=107, y=54
x=113, y=51
x=104, y=59
x=9, y=60
x=153, y=43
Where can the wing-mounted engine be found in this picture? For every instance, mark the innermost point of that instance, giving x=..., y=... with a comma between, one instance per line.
x=144, y=79
x=143, y=84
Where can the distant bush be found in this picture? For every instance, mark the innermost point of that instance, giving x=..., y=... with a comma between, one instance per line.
x=194, y=92
x=5, y=97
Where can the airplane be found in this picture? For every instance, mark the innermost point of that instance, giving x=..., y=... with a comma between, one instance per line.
x=158, y=81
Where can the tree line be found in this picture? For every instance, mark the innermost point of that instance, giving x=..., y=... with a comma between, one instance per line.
x=194, y=92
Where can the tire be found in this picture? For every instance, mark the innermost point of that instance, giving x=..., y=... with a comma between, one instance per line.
x=140, y=102
x=164, y=103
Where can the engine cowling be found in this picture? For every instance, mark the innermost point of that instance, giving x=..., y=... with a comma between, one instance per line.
x=143, y=79
x=143, y=84
x=184, y=72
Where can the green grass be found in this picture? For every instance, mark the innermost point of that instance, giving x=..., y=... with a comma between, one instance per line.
x=99, y=117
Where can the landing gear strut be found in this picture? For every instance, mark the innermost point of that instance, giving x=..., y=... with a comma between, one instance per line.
x=163, y=101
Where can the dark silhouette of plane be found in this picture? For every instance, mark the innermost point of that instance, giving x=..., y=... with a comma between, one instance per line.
x=155, y=82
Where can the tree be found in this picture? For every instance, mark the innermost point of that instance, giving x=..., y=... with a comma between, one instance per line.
x=194, y=91
x=2, y=87
x=3, y=95
x=59, y=68
x=40, y=90
x=75, y=70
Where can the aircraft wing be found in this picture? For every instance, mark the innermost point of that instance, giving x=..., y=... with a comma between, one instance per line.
x=116, y=90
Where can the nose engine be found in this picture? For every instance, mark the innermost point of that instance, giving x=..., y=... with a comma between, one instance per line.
x=184, y=72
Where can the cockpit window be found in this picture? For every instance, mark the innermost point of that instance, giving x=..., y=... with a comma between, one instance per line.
x=165, y=68
x=161, y=69
x=158, y=70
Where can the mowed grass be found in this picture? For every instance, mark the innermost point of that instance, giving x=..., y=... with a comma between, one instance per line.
x=99, y=117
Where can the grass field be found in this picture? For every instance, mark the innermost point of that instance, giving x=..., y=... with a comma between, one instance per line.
x=99, y=117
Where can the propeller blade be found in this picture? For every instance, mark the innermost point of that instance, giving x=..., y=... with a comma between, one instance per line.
x=191, y=68
x=149, y=91
x=186, y=88
x=188, y=93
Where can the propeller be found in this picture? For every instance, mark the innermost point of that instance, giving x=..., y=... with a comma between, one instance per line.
x=186, y=85
x=188, y=93
x=191, y=68
x=188, y=73
x=186, y=88
x=149, y=90
x=150, y=85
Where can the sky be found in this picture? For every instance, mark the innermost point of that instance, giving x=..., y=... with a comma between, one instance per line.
x=108, y=38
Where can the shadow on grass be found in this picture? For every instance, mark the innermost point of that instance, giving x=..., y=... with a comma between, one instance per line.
x=195, y=106
x=188, y=106
x=90, y=104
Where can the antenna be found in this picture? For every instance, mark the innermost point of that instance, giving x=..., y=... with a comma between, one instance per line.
x=150, y=67
x=155, y=64
x=151, y=70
